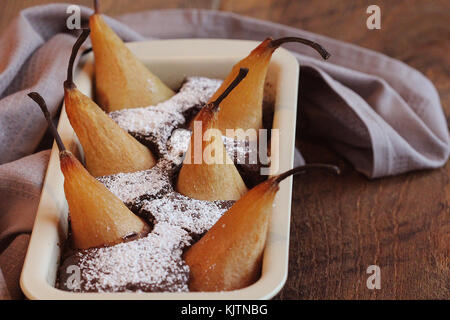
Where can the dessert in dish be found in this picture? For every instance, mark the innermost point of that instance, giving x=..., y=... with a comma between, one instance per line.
x=171, y=211
x=150, y=195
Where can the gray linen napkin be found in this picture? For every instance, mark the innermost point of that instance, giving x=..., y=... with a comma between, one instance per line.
x=377, y=112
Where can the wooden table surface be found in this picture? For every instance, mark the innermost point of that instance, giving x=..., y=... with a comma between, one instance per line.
x=341, y=225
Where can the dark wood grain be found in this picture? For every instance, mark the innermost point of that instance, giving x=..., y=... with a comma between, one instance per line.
x=341, y=225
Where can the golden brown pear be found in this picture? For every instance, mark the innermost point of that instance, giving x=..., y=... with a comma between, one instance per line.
x=207, y=172
x=229, y=255
x=98, y=218
x=121, y=80
x=108, y=148
x=243, y=107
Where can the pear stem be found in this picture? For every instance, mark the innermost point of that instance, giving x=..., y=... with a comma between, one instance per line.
x=241, y=75
x=96, y=7
x=304, y=168
x=41, y=102
x=321, y=50
x=83, y=36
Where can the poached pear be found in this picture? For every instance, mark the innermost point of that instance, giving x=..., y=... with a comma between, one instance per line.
x=229, y=255
x=121, y=80
x=202, y=177
x=242, y=109
x=98, y=218
x=108, y=148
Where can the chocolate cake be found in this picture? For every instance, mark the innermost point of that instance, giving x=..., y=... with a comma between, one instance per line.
x=154, y=263
x=150, y=264
x=133, y=188
x=153, y=125
x=194, y=216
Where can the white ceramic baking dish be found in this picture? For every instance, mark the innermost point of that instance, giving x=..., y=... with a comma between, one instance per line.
x=172, y=61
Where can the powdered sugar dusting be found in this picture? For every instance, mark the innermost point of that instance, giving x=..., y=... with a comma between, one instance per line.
x=153, y=263
x=156, y=123
x=151, y=123
x=146, y=120
x=195, y=91
x=134, y=187
x=240, y=150
x=195, y=216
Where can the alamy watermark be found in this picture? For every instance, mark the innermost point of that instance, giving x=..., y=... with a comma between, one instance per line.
x=73, y=21
x=374, y=280
x=73, y=281
x=374, y=19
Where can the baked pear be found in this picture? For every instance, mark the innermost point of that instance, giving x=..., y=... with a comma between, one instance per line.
x=121, y=80
x=207, y=172
x=242, y=109
x=98, y=218
x=108, y=148
x=229, y=255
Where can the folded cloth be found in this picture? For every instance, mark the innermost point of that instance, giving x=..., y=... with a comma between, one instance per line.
x=20, y=188
x=377, y=112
